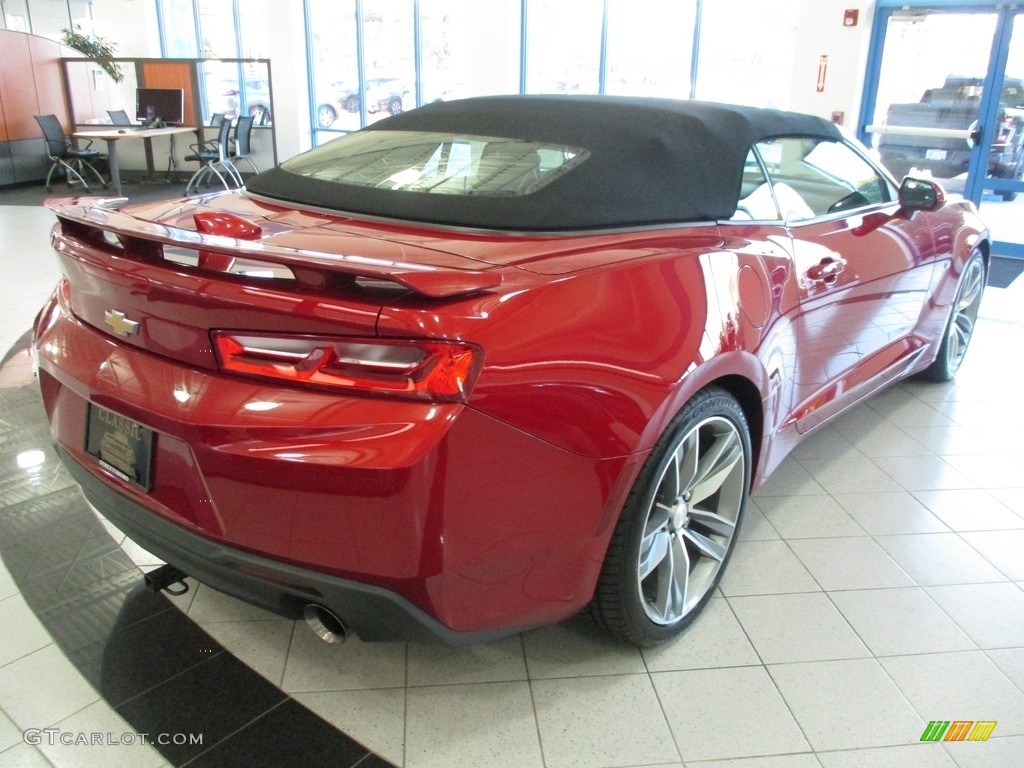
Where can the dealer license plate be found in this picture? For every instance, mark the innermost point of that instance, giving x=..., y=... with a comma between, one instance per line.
x=120, y=444
x=935, y=154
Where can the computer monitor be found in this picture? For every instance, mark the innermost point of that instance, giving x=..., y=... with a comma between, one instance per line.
x=166, y=104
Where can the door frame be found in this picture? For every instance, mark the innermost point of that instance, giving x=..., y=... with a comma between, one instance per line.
x=989, y=105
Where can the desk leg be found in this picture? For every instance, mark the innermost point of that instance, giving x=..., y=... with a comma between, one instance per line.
x=115, y=166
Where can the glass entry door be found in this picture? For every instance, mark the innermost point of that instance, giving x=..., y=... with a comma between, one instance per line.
x=945, y=99
x=1001, y=201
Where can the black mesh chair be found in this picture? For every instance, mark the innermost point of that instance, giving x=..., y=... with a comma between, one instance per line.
x=62, y=154
x=241, y=148
x=119, y=117
x=215, y=159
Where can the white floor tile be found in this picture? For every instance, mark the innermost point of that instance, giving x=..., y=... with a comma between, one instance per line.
x=10, y=734
x=813, y=630
x=809, y=517
x=924, y=473
x=126, y=751
x=20, y=630
x=807, y=760
x=1004, y=549
x=900, y=621
x=995, y=753
x=43, y=688
x=314, y=665
x=890, y=513
x=847, y=704
x=501, y=661
x=959, y=686
x=727, y=713
x=789, y=479
x=917, y=756
x=991, y=614
x=592, y=722
x=376, y=718
x=1011, y=662
x=970, y=510
x=24, y=756
x=939, y=558
x=849, y=475
x=850, y=563
x=468, y=726
x=755, y=526
x=561, y=652
x=765, y=568
x=715, y=639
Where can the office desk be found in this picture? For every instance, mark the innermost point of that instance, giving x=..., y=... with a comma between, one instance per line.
x=114, y=135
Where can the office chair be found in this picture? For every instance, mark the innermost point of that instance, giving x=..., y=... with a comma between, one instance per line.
x=214, y=156
x=63, y=155
x=119, y=117
x=241, y=149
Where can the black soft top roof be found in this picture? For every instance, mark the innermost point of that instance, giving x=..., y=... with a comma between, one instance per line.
x=652, y=161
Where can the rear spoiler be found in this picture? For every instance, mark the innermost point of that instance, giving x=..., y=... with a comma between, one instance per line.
x=432, y=282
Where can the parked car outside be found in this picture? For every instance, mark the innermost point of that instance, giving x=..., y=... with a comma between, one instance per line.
x=383, y=94
x=954, y=106
x=494, y=361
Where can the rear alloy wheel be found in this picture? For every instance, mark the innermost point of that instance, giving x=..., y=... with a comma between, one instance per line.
x=962, y=319
x=679, y=524
x=326, y=115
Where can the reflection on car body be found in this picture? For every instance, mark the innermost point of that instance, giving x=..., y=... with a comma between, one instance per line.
x=493, y=361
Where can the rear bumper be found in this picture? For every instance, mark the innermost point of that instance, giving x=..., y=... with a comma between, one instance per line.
x=409, y=521
x=372, y=613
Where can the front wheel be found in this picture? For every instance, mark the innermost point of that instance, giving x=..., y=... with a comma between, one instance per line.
x=679, y=524
x=962, y=319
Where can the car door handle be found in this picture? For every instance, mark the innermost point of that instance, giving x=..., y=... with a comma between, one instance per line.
x=827, y=270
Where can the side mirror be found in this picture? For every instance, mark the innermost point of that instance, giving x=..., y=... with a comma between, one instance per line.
x=921, y=195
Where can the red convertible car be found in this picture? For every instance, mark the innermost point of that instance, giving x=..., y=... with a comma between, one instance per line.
x=492, y=361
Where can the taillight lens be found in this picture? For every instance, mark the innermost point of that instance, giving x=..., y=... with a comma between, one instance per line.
x=425, y=370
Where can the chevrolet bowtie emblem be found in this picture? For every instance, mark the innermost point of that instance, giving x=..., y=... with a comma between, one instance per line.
x=120, y=324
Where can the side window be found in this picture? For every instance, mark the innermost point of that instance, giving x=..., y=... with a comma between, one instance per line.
x=756, y=202
x=813, y=177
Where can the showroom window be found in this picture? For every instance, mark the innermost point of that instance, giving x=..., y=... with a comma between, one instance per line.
x=46, y=18
x=371, y=58
x=222, y=31
x=746, y=52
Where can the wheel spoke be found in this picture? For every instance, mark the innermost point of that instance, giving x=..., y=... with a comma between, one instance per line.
x=716, y=465
x=707, y=546
x=653, y=551
x=715, y=523
x=673, y=582
x=685, y=463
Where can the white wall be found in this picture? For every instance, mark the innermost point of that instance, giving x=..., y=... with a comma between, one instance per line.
x=821, y=33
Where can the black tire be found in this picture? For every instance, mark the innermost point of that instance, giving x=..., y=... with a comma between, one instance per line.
x=962, y=318
x=394, y=106
x=351, y=103
x=326, y=115
x=641, y=597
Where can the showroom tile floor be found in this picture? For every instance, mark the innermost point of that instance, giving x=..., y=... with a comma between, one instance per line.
x=878, y=586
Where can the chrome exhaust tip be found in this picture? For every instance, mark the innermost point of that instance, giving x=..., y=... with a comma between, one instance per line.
x=325, y=624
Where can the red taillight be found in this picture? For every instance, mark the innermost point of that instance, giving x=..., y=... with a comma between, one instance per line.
x=428, y=370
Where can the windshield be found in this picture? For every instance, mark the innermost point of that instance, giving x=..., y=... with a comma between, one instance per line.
x=415, y=161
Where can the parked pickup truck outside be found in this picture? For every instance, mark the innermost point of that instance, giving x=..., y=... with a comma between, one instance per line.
x=955, y=106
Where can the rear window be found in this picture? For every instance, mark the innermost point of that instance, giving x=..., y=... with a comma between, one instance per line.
x=438, y=163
